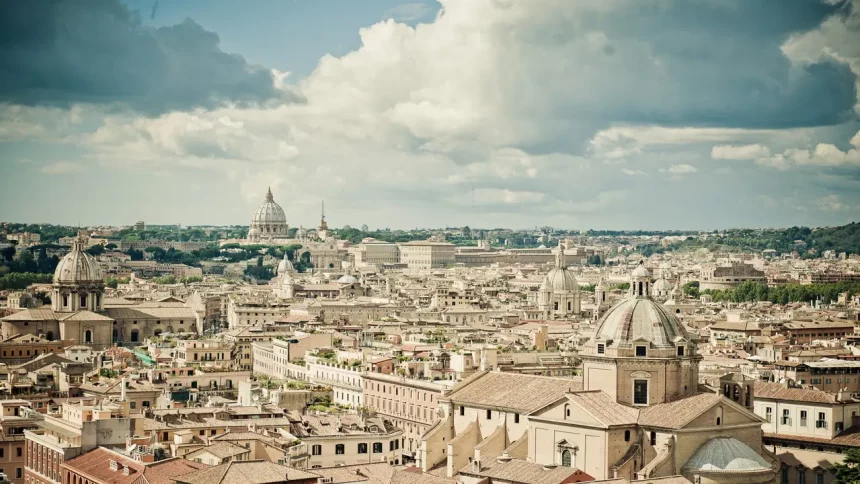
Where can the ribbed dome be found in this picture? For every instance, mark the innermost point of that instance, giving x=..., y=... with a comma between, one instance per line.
x=635, y=318
x=285, y=265
x=269, y=212
x=78, y=267
x=726, y=454
x=559, y=279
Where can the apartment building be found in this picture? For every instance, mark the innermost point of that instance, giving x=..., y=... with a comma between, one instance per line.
x=410, y=404
x=344, y=378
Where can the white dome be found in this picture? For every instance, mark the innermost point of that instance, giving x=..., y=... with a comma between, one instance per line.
x=285, y=265
x=269, y=212
x=726, y=454
x=641, y=271
x=559, y=279
x=637, y=317
x=347, y=279
x=662, y=285
x=78, y=267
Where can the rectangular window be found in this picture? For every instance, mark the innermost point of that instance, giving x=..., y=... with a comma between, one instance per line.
x=489, y=414
x=601, y=348
x=462, y=410
x=516, y=418
x=641, y=351
x=680, y=351
x=803, y=418
x=640, y=392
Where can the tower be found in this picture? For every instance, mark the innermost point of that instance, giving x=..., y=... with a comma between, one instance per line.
x=322, y=230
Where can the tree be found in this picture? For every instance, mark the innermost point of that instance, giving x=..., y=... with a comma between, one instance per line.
x=467, y=232
x=135, y=254
x=8, y=253
x=168, y=279
x=96, y=250
x=594, y=260
x=111, y=246
x=849, y=471
x=691, y=289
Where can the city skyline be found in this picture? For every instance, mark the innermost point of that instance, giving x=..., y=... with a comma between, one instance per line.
x=605, y=115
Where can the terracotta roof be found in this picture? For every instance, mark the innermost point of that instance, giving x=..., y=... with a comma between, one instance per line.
x=95, y=465
x=250, y=472
x=223, y=449
x=166, y=471
x=521, y=393
x=849, y=438
x=523, y=472
x=677, y=414
x=602, y=407
x=777, y=391
x=655, y=480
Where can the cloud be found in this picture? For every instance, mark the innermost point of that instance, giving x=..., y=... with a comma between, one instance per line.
x=628, y=171
x=831, y=203
x=823, y=155
x=682, y=169
x=746, y=152
x=61, y=168
x=62, y=52
x=407, y=12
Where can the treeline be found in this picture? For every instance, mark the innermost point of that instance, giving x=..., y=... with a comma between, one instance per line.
x=20, y=280
x=30, y=260
x=781, y=294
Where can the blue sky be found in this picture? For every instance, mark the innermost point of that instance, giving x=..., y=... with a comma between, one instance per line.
x=588, y=114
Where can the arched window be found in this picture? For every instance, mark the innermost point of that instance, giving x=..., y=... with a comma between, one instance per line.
x=135, y=336
x=719, y=415
x=339, y=449
x=566, y=411
x=88, y=336
x=640, y=288
x=565, y=458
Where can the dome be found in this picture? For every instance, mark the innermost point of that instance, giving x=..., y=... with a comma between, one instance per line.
x=639, y=318
x=559, y=279
x=726, y=454
x=285, y=265
x=78, y=267
x=641, y=271
x=347, y=279
x=662, y=285
x=269, y=212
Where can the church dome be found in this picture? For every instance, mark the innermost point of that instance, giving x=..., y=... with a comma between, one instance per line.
x=285, y=265
x=725, y=454
x=78, y=267
x=269, y=212
x=559, y=279
x=639, y=318
x=662, y=285
x=347, y=279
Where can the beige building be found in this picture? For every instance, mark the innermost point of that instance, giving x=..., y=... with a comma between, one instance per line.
x=638, y=414
x=411, y=405
x=376, y=253
x=427, y=254
x=276, y=359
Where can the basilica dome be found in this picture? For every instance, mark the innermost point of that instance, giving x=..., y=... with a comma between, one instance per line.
x=78, y=267
x=347, y=279
x=269, y=212
x=269, y=222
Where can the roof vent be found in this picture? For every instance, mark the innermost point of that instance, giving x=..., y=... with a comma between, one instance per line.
x=125, y=470
x=505, y=457
x=113, y=465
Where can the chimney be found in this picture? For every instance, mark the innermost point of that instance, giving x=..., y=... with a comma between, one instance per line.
x=122, y=390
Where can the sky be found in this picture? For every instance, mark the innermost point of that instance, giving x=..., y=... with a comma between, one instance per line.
x=603, y=114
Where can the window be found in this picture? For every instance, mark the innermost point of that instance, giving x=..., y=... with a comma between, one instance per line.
x=19, y=473
x=653, y=438
x=768, y=413
x=19, y=451
x=132, y=405
x=164, y=436
x=626, y=436
x=680, y=351
x=640, y=392
x=462, y=410
x=489, y=414
x=377, y=447
x=641, y=351
x=516, y=418
x=362, y=448
x=783, y=478
x=565, y=458
x=821, y=423
x=801, y=475
x=316, y=449
x=819, y=478
x=803, y=418
x=339, y=449
x=601, y=348
x=786, y=417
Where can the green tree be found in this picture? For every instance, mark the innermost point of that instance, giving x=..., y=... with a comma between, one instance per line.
x=691, y=289
x=168, y=279
x=594, y=260
x=848, y=472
